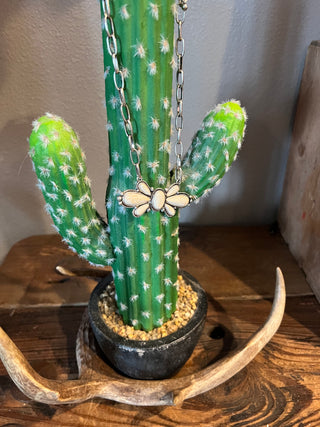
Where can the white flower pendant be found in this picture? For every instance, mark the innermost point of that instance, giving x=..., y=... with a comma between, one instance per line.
x=144, y=199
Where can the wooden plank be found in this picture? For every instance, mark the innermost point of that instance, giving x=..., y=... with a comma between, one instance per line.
x=299, y=215
x=239, y=262
x=28, y=275
x=280, y=387
x=233, y=262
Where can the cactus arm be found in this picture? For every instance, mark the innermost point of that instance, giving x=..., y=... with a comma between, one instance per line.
x=213, y=149
x=60, y=167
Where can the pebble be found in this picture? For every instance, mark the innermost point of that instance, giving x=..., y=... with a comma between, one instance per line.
x=186, y=306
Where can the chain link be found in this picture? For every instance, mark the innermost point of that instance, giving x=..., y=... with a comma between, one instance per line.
x=118, y=79
x=178, y=149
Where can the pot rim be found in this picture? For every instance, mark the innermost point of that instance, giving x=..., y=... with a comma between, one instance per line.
x=198, y=317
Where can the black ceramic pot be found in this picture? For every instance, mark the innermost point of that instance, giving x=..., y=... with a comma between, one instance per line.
x=154, y=359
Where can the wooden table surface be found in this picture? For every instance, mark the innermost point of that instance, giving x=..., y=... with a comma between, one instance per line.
x=41, y=311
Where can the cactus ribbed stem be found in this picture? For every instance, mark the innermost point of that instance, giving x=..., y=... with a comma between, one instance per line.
x=142, y=33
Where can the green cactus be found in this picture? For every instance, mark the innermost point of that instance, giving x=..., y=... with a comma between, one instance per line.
x=214, y=148
x=143, y=251
x=62, y=176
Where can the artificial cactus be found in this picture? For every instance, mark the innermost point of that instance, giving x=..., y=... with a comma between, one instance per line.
x=143, y=251
x=214, y=147
x=62, y=176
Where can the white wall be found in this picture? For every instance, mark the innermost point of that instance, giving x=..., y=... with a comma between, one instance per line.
x=51, y=60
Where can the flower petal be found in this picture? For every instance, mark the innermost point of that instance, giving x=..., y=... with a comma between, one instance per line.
x=144, y=188
x=179, y=200
x=169, y=210
x=173, y=189
x=133, y=198
x=140, y=210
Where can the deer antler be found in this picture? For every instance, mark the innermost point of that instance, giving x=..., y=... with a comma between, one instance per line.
x=92, y=383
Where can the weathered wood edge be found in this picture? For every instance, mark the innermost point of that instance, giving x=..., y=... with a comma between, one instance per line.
x=299, y=211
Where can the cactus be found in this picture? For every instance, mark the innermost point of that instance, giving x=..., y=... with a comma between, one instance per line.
x=143, y=251
x=213, y=149
x=59, y=163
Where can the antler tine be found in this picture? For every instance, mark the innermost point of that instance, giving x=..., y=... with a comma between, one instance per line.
x=53, y=392
x=227, y=367
x=165, y=392
x=34, y=385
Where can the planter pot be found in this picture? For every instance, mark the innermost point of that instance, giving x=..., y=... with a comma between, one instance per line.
x=154, y=359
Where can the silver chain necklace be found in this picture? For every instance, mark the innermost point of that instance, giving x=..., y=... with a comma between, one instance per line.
x=145, y=198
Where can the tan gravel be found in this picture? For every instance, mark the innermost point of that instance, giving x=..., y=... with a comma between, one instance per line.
x=186, y=305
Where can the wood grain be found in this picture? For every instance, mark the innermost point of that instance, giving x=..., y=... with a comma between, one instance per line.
x=28, y=274
x=280, y=387
x=95, y=381
x=244, y=258
x=299, y=214
x=239, y=262
x=236, y=265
